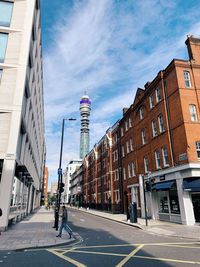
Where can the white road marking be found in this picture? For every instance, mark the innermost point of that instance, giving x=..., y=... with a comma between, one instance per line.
x=82, y=220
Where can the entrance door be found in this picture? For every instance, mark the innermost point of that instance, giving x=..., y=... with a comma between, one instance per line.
x=196, y=206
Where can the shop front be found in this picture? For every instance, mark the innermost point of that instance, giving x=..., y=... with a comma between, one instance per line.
x=168, y=203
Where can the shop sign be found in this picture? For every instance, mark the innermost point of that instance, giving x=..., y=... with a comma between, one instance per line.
x=182, y=157
x=162, y=178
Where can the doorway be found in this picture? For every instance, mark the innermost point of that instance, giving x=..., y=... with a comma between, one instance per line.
x=196, y=206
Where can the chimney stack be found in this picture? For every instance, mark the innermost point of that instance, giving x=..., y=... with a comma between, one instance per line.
x=193, y=47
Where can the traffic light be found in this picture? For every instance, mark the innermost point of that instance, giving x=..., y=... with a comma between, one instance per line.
x=62, y=187
x=148, y=186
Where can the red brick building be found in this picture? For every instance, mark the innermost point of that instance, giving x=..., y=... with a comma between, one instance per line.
x=160, y=136
x=157, y=142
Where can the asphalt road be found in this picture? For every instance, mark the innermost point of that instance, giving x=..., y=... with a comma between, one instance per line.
x=107, y=243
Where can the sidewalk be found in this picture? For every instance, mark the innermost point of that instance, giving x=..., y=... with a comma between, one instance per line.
x=154, y=226
x=33, y=232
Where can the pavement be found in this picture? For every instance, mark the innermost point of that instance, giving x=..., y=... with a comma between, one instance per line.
x=35, y=231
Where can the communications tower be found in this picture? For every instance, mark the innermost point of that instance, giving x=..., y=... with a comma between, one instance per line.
x=85, y=108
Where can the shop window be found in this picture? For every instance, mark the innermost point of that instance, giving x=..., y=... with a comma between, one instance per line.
x=193, y=112
x=6, y=12
x=198, y=149
x=187, y=79
x=174, y=203
x=158, y=95
x=164, y=204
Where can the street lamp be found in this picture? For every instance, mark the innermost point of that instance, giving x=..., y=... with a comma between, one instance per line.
x=60, y=181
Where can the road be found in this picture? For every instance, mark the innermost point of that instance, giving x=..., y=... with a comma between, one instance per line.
x=107, y=243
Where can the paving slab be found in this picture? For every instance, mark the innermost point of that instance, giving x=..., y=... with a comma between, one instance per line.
x=36, y=230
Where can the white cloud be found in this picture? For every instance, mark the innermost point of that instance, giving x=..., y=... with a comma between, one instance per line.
x=109, y=48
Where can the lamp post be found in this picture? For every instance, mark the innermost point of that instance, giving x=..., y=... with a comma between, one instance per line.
x=60, y=182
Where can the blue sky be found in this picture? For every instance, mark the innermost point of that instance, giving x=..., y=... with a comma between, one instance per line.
x=109, y=48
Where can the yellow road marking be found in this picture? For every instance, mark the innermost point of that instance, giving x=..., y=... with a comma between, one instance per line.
x=129, y=256
x=99, y=253
x=76, y=263
x=163, y=259
x=145, y=244
x=176, y=246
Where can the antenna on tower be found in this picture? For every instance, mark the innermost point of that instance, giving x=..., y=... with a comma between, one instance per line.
x=85, y=92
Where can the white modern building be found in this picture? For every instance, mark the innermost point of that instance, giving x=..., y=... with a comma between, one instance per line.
x=70, y=169
x=22, y=143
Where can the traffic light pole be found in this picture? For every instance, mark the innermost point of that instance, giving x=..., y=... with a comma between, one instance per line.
x=58, y=197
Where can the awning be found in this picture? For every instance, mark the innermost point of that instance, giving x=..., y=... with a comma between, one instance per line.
x=164, y=185
x=192, y=185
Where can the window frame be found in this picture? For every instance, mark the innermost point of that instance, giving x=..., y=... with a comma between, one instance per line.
x=141, y=113
x=131, y=144
x=5, y=48
x=130, y=122
x=197, y=144
x=157, y=158
x=165, y=156
x=123, y=151
x=158, y=94
x=7, y=24
x=187, y=79
x=133, y=168
x=151, y=101
x=161, y=123
x=154, y=128
x=127, y=147
x=193, y=112
x=143, y=137
x=146, y=165
x=124, y=173
x=129, y=171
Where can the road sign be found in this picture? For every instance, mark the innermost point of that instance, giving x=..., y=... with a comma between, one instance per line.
x=78, y=189
x=59, y=170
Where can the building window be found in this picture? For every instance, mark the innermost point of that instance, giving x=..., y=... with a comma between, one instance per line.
x=123, y=151
x=133, y=168
x=161, y=123
x=198, y=149
x=157, y=157
x=124, y=173
x=158, y=95
x=154, y=128
x=165, y=156
x=151, y=101
x=0, y=74
x=126, y=125
x=187, y=79
x=193, y=112
x=141, y=113
x=130, y=122
x=146, y=168
x=3, y=44
x=6, y=12
x=143, y=137
x=122, y=131
x=129, y=170
x=131, y=143
x=127, y=147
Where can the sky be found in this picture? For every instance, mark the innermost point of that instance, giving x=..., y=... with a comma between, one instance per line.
x=108, y=48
